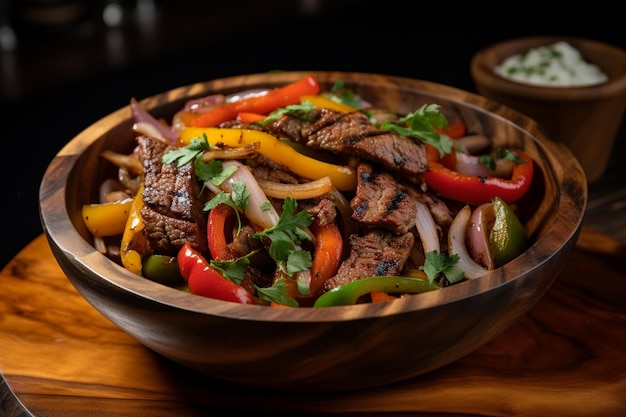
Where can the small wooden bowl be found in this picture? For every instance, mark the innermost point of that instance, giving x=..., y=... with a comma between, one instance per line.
x=586, y=119
x=318, y=349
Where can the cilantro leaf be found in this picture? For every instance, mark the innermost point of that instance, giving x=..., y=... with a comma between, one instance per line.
x=285, y=235
x=277, y=293
x=344, y=96
x=188, y=153
x=212, y=171
x=299, y=111
x=510, y=155
x=224, y=198
x=439, y=263
x=420, y=125
x=234, y=269
x=240, y=195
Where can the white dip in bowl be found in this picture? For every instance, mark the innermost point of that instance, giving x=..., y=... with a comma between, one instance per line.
x=555, y=65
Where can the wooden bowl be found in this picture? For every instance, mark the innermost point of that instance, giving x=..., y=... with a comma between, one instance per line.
x=318, y=349
x=586, y=119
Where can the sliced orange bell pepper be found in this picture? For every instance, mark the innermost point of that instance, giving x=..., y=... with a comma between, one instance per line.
x=326, y=256
x=380, y=297
x=279, y=97
x=453, y=130
x=249, y=117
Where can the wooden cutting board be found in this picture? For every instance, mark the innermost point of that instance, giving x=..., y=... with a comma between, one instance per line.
x=566, y=357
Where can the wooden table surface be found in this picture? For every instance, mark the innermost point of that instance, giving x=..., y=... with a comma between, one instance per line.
x=566, y=357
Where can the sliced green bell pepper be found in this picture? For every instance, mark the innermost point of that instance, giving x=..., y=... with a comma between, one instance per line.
x=348, y=294
x=162, y=268
x=507, y=238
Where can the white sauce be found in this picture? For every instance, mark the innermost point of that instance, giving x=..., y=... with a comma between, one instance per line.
x=556, y=65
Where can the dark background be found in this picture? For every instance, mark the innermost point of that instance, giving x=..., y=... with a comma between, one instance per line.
x=64, y=73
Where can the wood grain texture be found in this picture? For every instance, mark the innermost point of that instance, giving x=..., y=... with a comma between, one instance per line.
x=564, y=357
x=334, y=349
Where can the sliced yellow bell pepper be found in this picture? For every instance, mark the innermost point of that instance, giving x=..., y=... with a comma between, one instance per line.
x=132, y=237
x=326, y=103
x=342, y=177
x=106, y=219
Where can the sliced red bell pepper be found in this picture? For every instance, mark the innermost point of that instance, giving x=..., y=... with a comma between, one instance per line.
x=472, y=189
x=453, y=130
x=249, y=117
x=279, y=97
x=222, y=219
x=326, y=256
x=206, y=281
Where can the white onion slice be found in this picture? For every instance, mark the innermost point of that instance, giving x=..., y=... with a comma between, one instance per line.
x=456, y=245
x=303, y=191
x=426, y=228
x=264, y=218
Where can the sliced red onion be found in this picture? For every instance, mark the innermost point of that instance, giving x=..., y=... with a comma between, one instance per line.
x=426, y=228
x=150, y=130
x=264, y=218
x=471, y=165
x=478, y=234
x=141, y=116
x=456, y=245
x=473, y=144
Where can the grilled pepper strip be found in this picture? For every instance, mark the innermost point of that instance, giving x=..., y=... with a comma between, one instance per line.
x=132, y=238
x=348, y=294
x=507, y=238
x=342, y=177
x=472, y=189
x=107, y=219
x=222, y=219
x=161, y=268
x=327, y=254
x=326, y=103
x=206, y=281
x=280, y=97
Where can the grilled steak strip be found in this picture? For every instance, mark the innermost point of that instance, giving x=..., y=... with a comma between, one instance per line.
x=352, y=133
x=381, y=201
x=379, y=252
x=172, y=209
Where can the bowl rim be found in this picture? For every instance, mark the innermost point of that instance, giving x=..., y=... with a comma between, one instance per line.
x=481, y=68
x=66, y=241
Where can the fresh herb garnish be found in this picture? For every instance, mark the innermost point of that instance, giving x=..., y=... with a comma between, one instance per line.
x=420, y=125
x=235, y=270
x=188, y=153
x=299, y=111
x=440, y=263
x=286, y=235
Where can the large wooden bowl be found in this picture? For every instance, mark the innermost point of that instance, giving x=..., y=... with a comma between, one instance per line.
x=323, y=349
